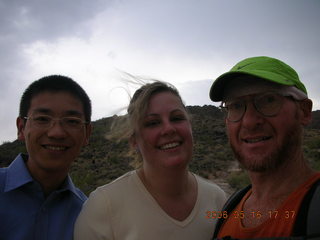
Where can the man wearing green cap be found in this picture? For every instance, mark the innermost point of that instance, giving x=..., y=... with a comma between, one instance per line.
x=266, y=109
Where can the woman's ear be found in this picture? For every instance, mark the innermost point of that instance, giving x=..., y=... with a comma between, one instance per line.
x=133, y=142
x=305, y=111
x=20, y=122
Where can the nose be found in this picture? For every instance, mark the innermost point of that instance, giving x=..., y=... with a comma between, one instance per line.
x=168, y=128
x=56, y=130
x=251, y=118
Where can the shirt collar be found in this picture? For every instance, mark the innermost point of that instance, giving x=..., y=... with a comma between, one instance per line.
x=17, y=174
x=68, y=185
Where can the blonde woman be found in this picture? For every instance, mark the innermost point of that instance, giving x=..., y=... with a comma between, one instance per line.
x=162, y=199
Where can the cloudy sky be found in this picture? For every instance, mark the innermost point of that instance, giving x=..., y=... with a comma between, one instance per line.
x=185, y=42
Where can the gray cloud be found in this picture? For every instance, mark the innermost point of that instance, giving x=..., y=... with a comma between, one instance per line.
x=207, y=36
x=22, y=23
x=45, y=19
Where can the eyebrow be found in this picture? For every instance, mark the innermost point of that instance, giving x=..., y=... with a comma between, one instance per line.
x=171, y=112
x=67, y=113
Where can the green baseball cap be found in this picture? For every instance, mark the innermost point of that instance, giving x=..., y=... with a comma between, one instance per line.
x=262, y=67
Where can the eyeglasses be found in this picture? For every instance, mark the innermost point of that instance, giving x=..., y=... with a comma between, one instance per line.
x=46, y=121
x=268, y=104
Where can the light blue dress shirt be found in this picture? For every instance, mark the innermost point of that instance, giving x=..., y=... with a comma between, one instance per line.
x=25, y=213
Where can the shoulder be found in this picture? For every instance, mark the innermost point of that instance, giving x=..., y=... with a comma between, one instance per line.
x=116, y=188
x=120, y=182
x=99, y=212
x=210, y=191
x=208, y=185
x=8, y=175
x=107, y=197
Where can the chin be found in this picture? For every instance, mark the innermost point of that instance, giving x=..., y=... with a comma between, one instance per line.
x=176, y=163
x=260, y=163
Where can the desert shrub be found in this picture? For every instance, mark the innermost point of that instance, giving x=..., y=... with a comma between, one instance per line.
x=238, y=180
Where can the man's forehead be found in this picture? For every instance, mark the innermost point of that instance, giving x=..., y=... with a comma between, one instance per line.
x=61, y=102
x=246, y=85
x=243, y=86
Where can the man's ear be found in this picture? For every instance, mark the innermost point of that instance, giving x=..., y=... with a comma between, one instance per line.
x=305, y=111
x=88, y=134
x=20, y=122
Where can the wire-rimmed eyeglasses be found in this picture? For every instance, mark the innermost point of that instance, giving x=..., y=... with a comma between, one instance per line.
x=46, y=121
x=268, y=104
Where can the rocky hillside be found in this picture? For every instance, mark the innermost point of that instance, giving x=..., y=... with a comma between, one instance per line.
x=104, y=160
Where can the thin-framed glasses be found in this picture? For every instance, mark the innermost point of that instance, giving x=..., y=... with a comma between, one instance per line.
x=268, y=104
x=46, y=121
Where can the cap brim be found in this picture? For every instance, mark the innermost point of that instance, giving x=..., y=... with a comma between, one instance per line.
x=217, y=88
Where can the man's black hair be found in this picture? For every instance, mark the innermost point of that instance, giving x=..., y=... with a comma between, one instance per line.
x=55, y=83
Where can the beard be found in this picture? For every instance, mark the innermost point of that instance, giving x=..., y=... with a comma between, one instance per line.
x=284, y=154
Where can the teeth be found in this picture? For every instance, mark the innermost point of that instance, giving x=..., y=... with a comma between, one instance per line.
x=170, y=145
x=256, y=140
x=55, y=148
